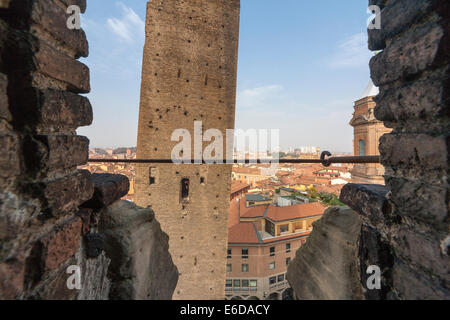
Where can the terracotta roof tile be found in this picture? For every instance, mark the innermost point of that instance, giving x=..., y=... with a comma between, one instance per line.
x=237, y=186
x=243, y=232
x=294, y=212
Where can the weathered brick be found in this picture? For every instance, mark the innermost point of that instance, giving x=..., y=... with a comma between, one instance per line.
x=61, y=67
x=395, y=17
x=108, y=188
x=418, y=49
x=421, y=249
x=418, y=151
x=368, y=200
x=62, y=110
x=53, y=19
x=417, y=198
x=63, y=195
x=417, y=106
x=59, y=152
x=413, y=285
x=61, y=244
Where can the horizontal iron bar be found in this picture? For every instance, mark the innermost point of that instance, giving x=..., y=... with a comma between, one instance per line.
x=330, y=160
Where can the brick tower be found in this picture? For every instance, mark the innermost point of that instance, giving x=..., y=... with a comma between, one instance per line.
x=367, y=134
x=189, y=74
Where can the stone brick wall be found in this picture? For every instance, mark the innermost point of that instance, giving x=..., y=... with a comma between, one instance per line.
x=405, y=225
x=412, y=73
x=50, y=210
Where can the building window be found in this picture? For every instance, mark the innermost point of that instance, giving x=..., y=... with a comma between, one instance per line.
x=253, y=283
x=272, y=280
x=288, y=260
x=270, y=228
x=185, y=189
x=153, y=175
x=281, y=278
x=272, y=266
x=202, y=180
x=237, y=283
x=245, y=283
x=284, y=228
x=229, y=283
x=228, y=253
x=229, y=268
x=362, y=148
x=244, y=253
x=272, y=251
x=245, y=268
x=288, y=247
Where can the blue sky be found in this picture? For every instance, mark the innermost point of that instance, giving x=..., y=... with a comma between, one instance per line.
x=302, y=64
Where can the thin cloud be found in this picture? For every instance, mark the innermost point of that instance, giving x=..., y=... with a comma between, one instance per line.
x=352, y=53
x=129, y=27
x=258, y=97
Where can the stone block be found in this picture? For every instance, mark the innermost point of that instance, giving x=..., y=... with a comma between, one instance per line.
x=396, y=17
x=416, y=106
x=56, y=152
x=53, y=19
x=62, y=195
x=374, y=250
x=141, y=266
x=420, y=153
x=413, y=285
x=61, y=110
x=420, y=246
x=326, y=267
x=418, y=49
x=61, y=244
x=368, y=200
x=108, y=188
x=59, y=66
x=419, y=199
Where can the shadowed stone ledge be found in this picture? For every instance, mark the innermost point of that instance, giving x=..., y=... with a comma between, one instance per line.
x=107, y=189
x=369, y=200
x=326, y=266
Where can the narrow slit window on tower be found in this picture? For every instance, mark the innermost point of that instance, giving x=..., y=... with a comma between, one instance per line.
x=153, y=176
x=202, y=180
x=185, y=189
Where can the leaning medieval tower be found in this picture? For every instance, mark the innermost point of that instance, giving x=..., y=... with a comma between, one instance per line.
x=189, y=74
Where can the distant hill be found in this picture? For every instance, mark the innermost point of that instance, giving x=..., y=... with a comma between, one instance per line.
x=123, y=150
x=100, y=151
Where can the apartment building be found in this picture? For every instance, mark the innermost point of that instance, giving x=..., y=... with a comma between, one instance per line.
x=262, y=240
